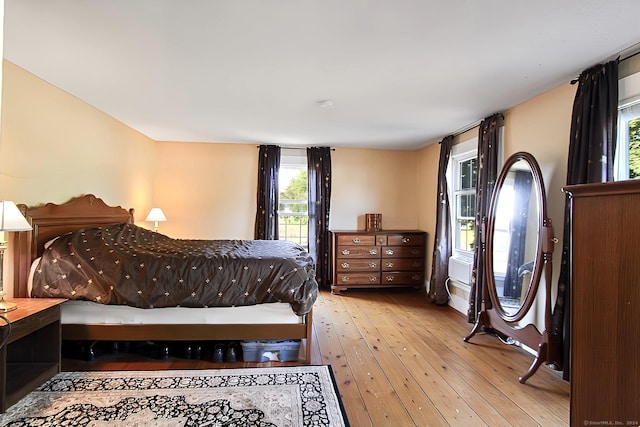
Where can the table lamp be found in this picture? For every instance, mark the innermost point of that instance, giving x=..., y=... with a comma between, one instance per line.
x=11, y=219
x=156, y=215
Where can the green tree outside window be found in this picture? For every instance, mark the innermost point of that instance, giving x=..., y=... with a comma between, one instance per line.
x=634, y=148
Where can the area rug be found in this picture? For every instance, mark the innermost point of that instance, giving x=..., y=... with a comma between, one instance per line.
x=282, y=396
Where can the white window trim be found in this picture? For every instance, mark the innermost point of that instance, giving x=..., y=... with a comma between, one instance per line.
x=459, y=152
x=294, y=159
x=628, y=108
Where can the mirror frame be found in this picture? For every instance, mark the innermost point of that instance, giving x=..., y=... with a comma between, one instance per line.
x=492, y=317
x=534, y=280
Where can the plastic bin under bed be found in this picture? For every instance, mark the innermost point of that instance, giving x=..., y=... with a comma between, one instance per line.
x=270, y=351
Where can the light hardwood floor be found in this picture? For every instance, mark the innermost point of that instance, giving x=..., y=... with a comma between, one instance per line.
x=401, y=361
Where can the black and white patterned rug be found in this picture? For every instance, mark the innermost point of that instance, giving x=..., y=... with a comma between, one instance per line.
x=283, y=396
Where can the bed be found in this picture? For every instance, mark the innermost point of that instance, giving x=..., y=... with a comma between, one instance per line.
x=137, y=314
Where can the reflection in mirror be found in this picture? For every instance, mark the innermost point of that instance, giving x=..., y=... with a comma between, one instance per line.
x=515, y=237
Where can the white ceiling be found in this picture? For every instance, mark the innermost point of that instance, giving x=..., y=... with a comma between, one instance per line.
x=395, y=74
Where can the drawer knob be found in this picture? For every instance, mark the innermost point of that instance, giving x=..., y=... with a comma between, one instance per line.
x=346, y=252
x=373, y=252
x=389, y=265
x=372, y=278
x=344, y=278
x=415, y=277
x=406, y=240
x=389, y=252
x=415, y=251
x=389, y=278
x=416, y=263
x=356, y=240
x=345, y=265
x=372, y=265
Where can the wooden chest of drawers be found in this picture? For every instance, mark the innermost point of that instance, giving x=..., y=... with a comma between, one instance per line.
x=376, y=259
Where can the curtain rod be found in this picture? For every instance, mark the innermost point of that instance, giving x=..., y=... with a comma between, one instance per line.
x=295, y=148
x=475, y=125
x=466, y=128
x=634, y=47
x=630, y=56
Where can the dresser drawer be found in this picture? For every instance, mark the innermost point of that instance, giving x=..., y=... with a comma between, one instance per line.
x=403, y=252
x=403, y=278
x=345, y=279
x=358, y=252
x=346, y=265
x=381, y=239
x=405, y=239
x=355, y=239
x=404, y=264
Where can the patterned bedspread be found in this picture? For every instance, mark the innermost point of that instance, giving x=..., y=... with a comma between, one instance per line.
x=129, y=265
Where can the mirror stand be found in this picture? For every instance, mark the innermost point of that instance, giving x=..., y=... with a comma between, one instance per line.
x=517, y=253
x=489, y=319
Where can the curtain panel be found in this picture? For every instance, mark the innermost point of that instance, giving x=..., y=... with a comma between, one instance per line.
x=592, y=146
x=319, y=177
x=266, y=224
x=488, y=140
x=442, y=240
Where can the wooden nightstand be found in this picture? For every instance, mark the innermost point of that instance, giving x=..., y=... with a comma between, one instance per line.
x=32, y=353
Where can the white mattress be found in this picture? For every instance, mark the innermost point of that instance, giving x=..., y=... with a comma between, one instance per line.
x=90, y=313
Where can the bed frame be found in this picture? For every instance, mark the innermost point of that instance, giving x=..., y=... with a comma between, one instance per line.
x=51, y=220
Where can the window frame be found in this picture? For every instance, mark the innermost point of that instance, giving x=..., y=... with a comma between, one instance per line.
x=628, y=98
x=294, y=159
x=626, y=112
x=460, y=153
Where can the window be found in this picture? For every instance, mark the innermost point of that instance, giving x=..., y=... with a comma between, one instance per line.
x=627, y=162
x=293, y=212
x=627, y=156
x=462, y=176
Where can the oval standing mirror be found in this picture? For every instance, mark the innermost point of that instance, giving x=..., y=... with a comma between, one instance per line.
x=513, y=267
x=518, y=247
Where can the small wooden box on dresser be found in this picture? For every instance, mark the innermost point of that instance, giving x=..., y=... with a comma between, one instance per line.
x=378, y=259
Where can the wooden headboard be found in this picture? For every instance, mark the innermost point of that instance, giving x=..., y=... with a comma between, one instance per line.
x=51, y=220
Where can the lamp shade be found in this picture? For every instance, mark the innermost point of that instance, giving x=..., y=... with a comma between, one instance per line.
x=11, y=219
x=156, y=214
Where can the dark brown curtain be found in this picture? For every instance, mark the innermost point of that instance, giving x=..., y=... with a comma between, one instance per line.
x=591, y=152
x=266, y=227
x=488, y=140
x=319, y=177
x=442, y=240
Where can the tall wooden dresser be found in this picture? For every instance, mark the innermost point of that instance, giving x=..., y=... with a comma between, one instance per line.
x=376, y=259
x=605, y=304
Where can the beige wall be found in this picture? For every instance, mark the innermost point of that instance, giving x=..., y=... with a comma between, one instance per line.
x=373, y=181
x=53, y=146
x=428, y=159
x=207, y=191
